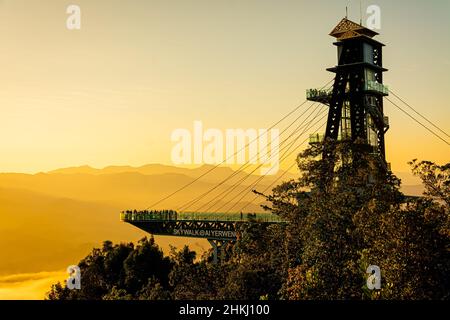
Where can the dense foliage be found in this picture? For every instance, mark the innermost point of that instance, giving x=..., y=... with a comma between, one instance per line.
x=340, y=221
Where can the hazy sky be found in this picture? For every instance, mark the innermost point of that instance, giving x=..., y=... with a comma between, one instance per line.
x=112, y=92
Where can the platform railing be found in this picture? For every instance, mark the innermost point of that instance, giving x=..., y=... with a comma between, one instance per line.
x=318, y=94
x=169, y=215
x=376, y=86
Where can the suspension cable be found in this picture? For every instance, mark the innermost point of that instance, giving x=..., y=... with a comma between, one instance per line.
x=422, y=116
x=412, y=117
x=236, y=184
x=243, y=166
x=267, y=188
x=261, y=177
x=226, y=192
x=216, y=166
x=236, y=172
x=284, y=157
x=275, y=181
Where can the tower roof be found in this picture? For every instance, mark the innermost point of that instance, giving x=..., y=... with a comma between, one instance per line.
x=348, y=29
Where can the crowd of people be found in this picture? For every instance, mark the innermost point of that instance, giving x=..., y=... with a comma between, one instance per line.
x=135, y=215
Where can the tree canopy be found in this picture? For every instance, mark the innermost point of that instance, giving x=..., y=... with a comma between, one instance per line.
x=340, y=221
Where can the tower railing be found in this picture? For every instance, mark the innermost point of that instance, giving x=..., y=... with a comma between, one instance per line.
x=376, y=86
x=318, y=94
x=319, y=137
x=170, y=215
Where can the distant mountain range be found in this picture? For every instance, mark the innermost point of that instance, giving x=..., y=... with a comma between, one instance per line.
x=51, y=220
x=219, y=172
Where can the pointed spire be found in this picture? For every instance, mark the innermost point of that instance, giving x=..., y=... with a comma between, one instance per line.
x=360, y=12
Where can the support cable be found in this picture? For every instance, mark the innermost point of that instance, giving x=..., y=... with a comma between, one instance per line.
x=275, y=181
x=236, y=184
x=216, y=166
x=420, y=123
x=260, y=178
x=422, y=116
x=236, y=172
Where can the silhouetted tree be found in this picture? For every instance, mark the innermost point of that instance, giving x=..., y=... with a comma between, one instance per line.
x=344, y=213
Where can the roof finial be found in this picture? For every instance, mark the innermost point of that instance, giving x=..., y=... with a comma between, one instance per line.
x=360, y=12
x=346, y=12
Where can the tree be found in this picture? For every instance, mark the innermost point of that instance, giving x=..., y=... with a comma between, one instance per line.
x=154, y=291
x=322, y=243
x=344, y=213
x=146, y=261
x=191, y=279
x=118, y=272
x=355, y=216
x=255, y=268
x=435, y=178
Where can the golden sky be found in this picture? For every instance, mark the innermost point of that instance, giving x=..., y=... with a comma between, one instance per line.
x=112, y=92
